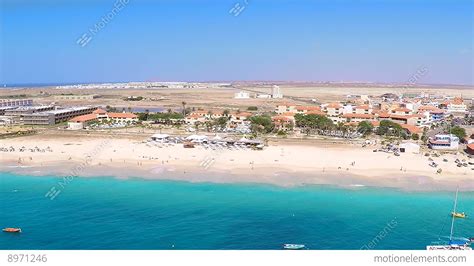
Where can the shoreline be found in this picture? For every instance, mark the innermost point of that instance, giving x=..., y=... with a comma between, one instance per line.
x=280, y=164
x=280, y=178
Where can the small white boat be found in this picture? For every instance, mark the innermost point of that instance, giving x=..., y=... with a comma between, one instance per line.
x=294, y=246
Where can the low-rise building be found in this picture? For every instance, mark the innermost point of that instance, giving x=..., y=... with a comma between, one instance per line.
x=470, y=148
x=444, y=142
x=409, y=147
x=457, y=107
x=284, y=123
x=82, y=121
x=122, y=117
x=5, y=121
x=363, y=109
x=334, y=111
x=238, y=118
x=54, y=116
x=309, y=110
x=3, y=109
x=24, y=110
x=404, y=119
x=263, y=96
x=357, y=118
x=422, y=119
x=194, y=118
x=15, y=102
x=296, y=109
x=410, y=129
x=285, y=108
x=436, y=114
x=43, y=115
x=241, y=95
x=401, y=111
x=74, y=97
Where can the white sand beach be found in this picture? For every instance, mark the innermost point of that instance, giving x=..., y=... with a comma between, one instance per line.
x=278, y=164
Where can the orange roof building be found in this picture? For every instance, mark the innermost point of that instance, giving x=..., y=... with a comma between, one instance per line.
x=334, y=106
x=283, y=121
x=360, y=116
x=470, y=148
x=78, y=122
x=412, y=129
x=308, y=108
x=381, y=114
x=99, y=111
x=122, y=115
x=84, y=118
x=426, y=108
x=401, y=110
x=316, y=112
x=457, y=100
x=363, y=107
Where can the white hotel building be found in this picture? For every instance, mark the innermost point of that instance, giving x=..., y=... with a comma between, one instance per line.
x=444, y=142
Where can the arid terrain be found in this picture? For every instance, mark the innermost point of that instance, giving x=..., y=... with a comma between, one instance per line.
x=300, y=93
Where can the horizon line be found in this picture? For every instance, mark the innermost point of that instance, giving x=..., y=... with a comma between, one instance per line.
x=414, y=85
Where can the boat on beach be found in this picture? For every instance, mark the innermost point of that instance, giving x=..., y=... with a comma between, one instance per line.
x=453, y=244
x=188, y=145
x=11, y=230
x=294, y=246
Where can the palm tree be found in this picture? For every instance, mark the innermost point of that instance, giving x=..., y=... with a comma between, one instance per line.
x=183, y=103
x=208, y=125
x=209, y=114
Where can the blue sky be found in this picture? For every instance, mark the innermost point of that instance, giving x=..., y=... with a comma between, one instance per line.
x=192, y=40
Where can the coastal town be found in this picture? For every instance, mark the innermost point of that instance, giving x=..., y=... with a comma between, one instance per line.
x=208, y=132
x=426, y=134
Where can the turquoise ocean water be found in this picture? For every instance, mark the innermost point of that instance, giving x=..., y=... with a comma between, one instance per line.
x=106, y=213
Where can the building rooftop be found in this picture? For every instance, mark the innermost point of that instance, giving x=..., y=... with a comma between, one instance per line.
x=413, y=129
x=364, y=107
x=315, y=112
x=403, y=117
x=27, y=108
x=401, y=109
x=350, y=115
x=65, y=110
x=121, y=115
x=308, y=108
x=84, y=118
x=334, y=105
